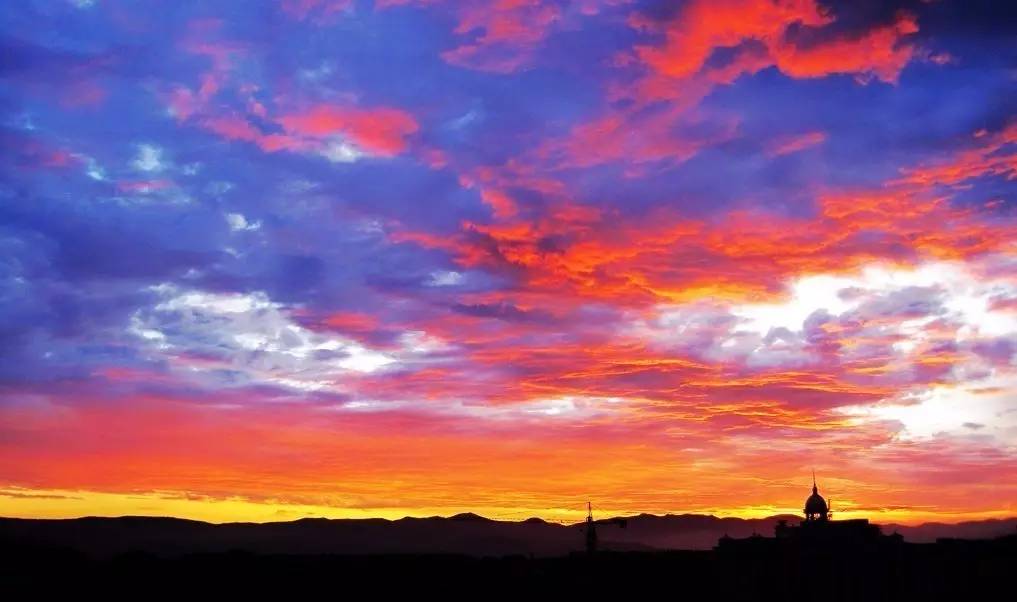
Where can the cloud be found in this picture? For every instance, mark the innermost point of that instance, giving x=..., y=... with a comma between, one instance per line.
x=700, y=28
x=149, y=159
x=793, y=144
x=502, y=35
x=340, y=151
x=501, y=311
x=952, y=410
x=709, y=44
x=639, y=137
x=989, y=154
x=246, y=339
x=382, y=131
x=238, y=223
x=321, y=10
x=445, y=278
x=339, y=134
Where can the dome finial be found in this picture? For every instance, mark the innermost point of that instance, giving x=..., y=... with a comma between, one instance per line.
x=814, y=488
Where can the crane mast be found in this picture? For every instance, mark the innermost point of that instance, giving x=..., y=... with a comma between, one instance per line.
x=591, y=528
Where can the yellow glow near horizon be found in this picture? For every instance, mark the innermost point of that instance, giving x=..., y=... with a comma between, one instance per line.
x=61, y=504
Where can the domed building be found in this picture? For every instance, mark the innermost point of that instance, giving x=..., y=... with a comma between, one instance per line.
x=818, y=531
x=816, y=508
x=804, y=561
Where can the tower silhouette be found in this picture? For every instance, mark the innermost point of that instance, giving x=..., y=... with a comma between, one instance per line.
x=590, y=528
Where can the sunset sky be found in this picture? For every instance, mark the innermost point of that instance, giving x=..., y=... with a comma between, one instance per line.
x=263, y=260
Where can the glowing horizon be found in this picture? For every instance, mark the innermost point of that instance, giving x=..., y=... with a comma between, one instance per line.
x=385, y=258
x=58, y=504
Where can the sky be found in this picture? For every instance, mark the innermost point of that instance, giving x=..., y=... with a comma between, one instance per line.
x=264, y=260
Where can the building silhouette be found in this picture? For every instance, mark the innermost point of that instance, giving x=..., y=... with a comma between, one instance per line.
x=813, y=558
x=816, y=508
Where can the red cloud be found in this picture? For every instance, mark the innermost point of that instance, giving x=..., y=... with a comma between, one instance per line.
x=144, y=186
x=382, y=131
x=794, y=144
x=680, y=71
x=351, y=322
x=882, y=52
x=637, y=137
x=379, y=131
x=233, y=127
x=504, y=33
x=705, y=26
x=511, y=30
x=84, y=93
x=33, y=153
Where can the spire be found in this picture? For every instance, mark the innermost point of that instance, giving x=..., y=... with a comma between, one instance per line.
x=815, y=490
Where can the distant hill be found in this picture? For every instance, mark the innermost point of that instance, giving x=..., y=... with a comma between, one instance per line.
x=929, y=532
x=467, y=534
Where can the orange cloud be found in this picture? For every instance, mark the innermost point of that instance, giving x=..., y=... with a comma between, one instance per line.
x=991, y=154
x=665, y=257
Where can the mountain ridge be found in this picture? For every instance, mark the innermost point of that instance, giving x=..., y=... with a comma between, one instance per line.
x=466, y=534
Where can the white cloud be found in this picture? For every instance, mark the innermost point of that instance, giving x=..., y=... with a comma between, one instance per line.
x=22, y=122
x=320, y=72
x=930, y=331
x=984, y=409
x=239, y=223
x=93, y=169
x=807, y=295
x=878, y=302
x=445, y=278
x=418, y=342
x=218, y=187
x=149, y=158
x=341, y=151
x=569, y=405
x=251, y=337
x=464, y=120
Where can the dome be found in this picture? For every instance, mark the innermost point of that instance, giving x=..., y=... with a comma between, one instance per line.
x=815, y=504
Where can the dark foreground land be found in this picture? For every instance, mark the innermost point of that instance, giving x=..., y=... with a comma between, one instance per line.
x=137, y=560
x=955, y=571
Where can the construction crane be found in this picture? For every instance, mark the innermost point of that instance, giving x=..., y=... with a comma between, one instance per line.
x=590, y=528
